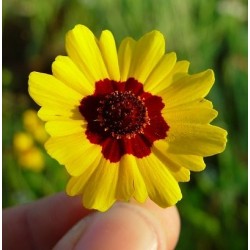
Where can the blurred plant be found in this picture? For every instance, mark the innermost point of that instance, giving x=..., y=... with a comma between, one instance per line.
x=34, y=126
x=27, y=144
x=28, y=155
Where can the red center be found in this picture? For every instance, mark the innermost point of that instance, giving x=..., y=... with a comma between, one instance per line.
x=123, y=119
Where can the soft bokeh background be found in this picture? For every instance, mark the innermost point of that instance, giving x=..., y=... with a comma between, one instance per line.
x=210, y=34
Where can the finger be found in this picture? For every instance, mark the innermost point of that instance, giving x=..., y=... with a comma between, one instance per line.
x=125, y=226
x=41, y=224
x=169, y=219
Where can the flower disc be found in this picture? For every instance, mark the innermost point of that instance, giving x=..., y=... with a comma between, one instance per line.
x=123, y=119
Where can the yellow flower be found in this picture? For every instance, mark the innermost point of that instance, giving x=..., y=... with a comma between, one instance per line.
x=34, y=126
x=22, y=141
x=126, y=124
x=32, y=159
x=28, y=155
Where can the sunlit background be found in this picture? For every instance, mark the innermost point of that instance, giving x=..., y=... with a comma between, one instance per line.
x=210, y=34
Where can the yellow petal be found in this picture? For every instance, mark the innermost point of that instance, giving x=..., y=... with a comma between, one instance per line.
x=200, y=103
x=66, y=71
x=181, y=175
x=59, y=113
x=159, y=149
x=162, y=187
x=160, y=72
x=179, y=172
x=76, y=184
x=48, y=91
x=65, y=127
x=196, y=139
x=125, y=54
x=179, y=70
x=176, y=162
x=82, y=47
x=82, y=159
x=190, y=115
x=130, y=182
x=188, y=89
x=100, y=190
x=191, y=162
x=74, y=151
x=147, y=53
x=109, y=53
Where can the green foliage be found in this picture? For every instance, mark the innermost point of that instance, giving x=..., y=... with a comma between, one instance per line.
x=210, y=34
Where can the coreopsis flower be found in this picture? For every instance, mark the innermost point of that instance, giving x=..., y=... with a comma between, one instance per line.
x=126, y=124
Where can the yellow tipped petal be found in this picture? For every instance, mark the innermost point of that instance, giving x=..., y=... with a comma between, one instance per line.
x=160, y=72
x=179, y=70
x=176, y=162
x=76, y=184
x=181, y=175
x=100, y=190
x=191, y=162
x=57, y=113
x=48, y=91
x=125, y=54
x=188, y=88
x=109, y=53
x=147, y=53
x=196, y=104
x=130, y=182
x=66, y=71
x=189, y=115
x=81, y=46
x=195, y=139
x=74, y=151
x=162, y=187
x=66, y=127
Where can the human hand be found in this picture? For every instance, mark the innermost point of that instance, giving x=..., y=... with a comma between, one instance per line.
x=61, y=222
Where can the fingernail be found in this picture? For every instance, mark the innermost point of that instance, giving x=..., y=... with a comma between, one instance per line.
x=125, y=226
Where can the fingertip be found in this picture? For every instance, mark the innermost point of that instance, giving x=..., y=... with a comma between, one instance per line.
x=125, y=226
x=169, y=220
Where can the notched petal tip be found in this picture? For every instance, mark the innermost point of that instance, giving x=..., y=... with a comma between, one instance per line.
x=220, y=142
x=155, y=33
x=210, y=75
x=34, y=75
x=154, y=36
x=82, y=27
x=224, y=139
x=170, y=202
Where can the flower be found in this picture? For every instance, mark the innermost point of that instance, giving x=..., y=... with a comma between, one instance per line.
x=34, y=126
x=28, y=155
x=126, y=124
x=22, y=141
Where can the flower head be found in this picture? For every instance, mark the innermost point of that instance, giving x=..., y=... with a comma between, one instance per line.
x=126, y=124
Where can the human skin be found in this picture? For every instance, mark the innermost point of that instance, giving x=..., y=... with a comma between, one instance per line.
x=60, y=222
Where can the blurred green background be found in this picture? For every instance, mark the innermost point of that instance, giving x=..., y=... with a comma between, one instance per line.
x=210, y=34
